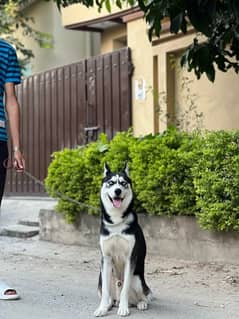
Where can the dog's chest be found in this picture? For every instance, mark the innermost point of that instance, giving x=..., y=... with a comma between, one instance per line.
x=117, y=246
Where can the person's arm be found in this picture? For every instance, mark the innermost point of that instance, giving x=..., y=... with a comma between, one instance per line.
x=13, y=111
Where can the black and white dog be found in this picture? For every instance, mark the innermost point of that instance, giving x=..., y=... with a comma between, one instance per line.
x=123, y=248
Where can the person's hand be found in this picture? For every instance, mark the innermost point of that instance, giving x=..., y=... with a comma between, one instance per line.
x=18, y=161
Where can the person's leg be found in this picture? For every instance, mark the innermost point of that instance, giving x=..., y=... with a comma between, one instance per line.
x=3, y=170
x=3, y=157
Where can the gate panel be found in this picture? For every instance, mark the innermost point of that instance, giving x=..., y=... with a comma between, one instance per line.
x=91, y=108
x=116, y=91
x=126, y=69
x=82, y=101
x=100, y=94
x=69, y=106
x=107, y=89
x=34, y=155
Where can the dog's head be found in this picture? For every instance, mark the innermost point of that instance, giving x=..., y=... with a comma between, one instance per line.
x=116, y=190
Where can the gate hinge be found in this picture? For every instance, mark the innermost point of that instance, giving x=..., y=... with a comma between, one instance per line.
x=130, y=68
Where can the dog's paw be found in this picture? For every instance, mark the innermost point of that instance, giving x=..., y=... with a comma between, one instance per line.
x=101, y=311
x=123, y=311
x=142, y=305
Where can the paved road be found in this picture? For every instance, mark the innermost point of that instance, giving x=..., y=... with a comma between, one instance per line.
x=58, y=281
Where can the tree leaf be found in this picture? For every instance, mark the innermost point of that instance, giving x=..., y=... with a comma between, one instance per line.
x=108, y=5
x=210, y=72
x=176, y=23
x=201, y=14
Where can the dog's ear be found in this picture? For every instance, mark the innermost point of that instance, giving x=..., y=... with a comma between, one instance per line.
x=107, y=170
x=126, y=168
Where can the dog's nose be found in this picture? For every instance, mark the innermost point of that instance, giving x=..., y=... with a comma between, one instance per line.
x=118, y=191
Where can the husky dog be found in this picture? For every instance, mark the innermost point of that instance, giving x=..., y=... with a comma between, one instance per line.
x=123, y=248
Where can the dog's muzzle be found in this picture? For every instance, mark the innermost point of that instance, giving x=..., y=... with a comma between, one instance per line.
x=116, y=201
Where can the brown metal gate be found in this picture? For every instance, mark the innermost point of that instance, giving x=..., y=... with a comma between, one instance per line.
x=69, y=106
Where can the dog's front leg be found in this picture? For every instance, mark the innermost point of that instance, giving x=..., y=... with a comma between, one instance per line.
x=124, y=296
x=106, y=300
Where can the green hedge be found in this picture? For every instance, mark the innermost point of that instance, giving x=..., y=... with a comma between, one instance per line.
x=174, y=173
x=161, y=172
x=216, y=181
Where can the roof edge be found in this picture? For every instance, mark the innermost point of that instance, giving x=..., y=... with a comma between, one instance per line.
x=117, y=17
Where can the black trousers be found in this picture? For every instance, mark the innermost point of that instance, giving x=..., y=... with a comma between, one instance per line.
x=3, y=170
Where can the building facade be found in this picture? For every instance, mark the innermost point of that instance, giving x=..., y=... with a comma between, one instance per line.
x=162, y=92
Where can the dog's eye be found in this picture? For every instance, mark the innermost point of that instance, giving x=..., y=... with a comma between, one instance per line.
x=110, y=183
x=124, y=184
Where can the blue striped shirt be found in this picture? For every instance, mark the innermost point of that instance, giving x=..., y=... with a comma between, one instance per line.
x=9, y=73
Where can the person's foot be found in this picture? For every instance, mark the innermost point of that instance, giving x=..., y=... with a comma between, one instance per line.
x=10, y=292
x=7, y=293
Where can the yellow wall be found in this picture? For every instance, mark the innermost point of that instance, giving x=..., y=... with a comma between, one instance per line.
x=218, y=102
x=68, y=46
x=113, y=39
x=143, y=110
x=194, y=103
x=77, y=13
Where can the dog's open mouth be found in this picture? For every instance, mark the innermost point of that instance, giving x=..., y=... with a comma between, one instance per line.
x=116, y=201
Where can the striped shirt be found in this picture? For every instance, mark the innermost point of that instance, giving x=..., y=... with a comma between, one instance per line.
x=9, y=72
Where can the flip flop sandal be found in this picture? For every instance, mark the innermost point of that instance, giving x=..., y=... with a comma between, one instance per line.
x=3, y=289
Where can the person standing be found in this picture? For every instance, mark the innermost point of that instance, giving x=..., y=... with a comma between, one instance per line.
x=10, y=75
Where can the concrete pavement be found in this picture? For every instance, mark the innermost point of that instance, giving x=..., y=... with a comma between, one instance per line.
x=57, y=281
x=17, y=214
x=15, y=208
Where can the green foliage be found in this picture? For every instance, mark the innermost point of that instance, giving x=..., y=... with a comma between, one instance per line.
x=76, y=174
x=216, y=180
x=119, y=151
x=12, y=18
x=215, y=19
x=158, y=167
x=66, y=175
x=174, y=173
x=162, y=173
x=93, y=155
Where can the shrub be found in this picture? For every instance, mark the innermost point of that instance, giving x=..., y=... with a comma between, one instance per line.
x=162, y=173
x=119, y=150
x=216, y=181
x=76, y=174
x=172, y=173
x=66, y=175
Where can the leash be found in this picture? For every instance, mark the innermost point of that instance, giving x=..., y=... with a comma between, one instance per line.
x=48, y=189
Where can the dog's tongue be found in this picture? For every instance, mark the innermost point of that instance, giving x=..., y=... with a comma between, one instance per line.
x=117, y=202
